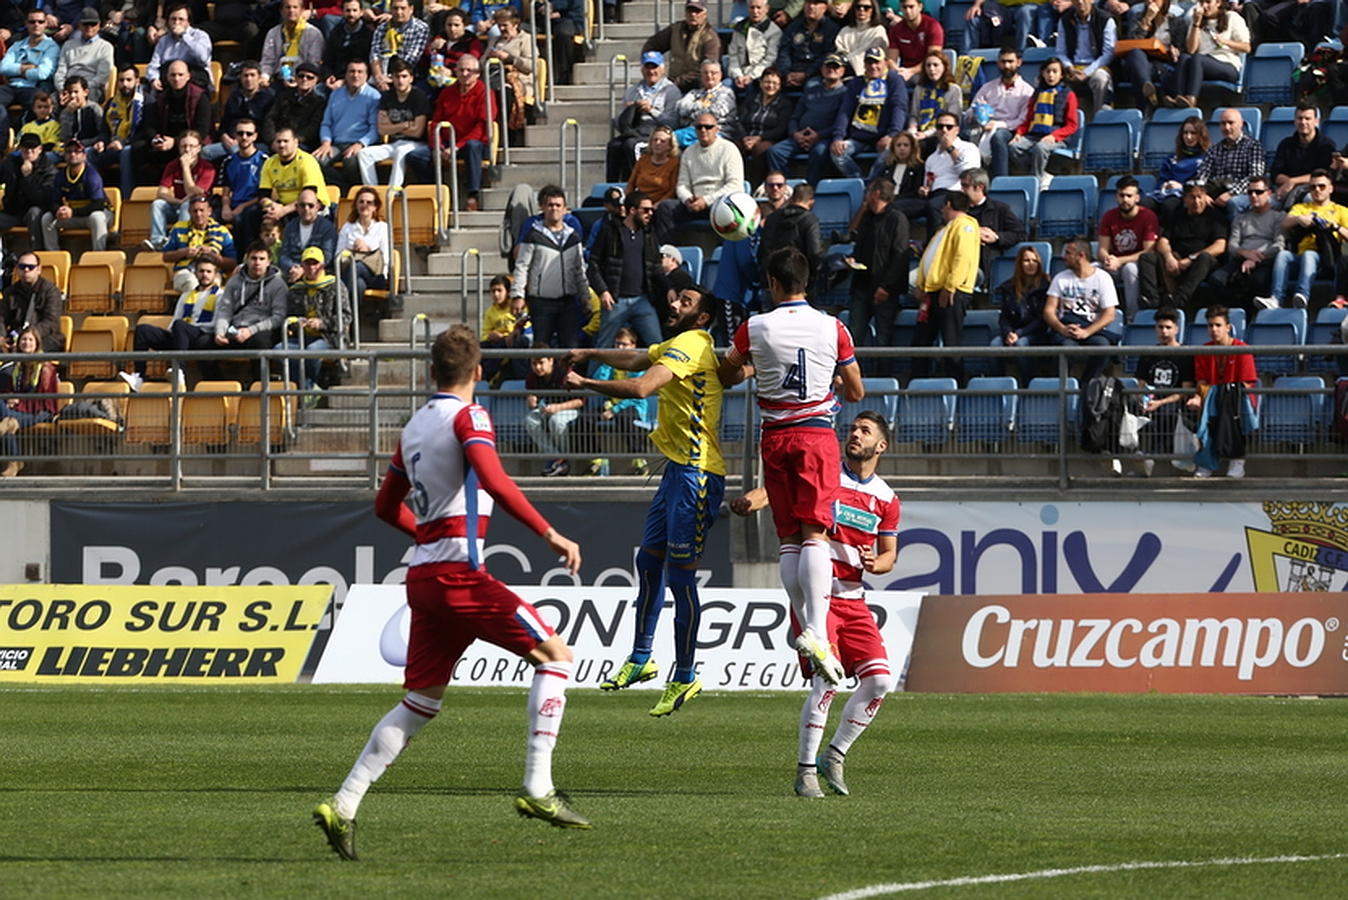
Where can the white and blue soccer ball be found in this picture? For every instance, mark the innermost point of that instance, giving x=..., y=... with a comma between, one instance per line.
x=735, y=216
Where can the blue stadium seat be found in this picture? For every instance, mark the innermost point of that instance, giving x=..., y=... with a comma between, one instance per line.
x=1141, y=332
x=692, y=261
x=1158, y=136
x=905, y=323
x=711, y=265
x=1111, y=140
x=980, y=328
x=733, y=407
x=1071, y=148
x=1033, y=60
x=988, y=417
x=1293, y=418
x=1020, y=192
x=1037, y=413
x=836, y=200
x=1196, y=333
x=507, y=414
x=1325, y=330
x=1004, y=266
x=1067, y=208
x=1335, y=125
x=881, y=396
x=1278, y=125
x=927, y=411
x=1268, y=73
x=1277, y=326
x=1252, y=115
x=1107, y=201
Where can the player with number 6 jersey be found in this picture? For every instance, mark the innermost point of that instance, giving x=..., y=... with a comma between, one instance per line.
x=447, y=468
x=795, y=352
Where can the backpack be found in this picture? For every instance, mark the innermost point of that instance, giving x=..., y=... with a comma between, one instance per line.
x=518, y=208
x=1101, y=413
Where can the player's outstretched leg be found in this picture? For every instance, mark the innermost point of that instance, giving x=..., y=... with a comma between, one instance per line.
x=857, y=716
x=650, y=601
x=547, y=702
x=813, y=717
x=685, y=685
x=337, y=817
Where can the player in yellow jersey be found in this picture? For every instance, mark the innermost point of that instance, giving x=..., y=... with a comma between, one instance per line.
x=683, y=372
x=286, y=173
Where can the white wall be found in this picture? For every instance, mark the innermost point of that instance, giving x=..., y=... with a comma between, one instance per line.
x=26, y=539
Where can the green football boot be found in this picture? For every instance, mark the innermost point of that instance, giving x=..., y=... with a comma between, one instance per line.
x=339, y=830
x=553, y=808
x=676, y=694
x=631, y=674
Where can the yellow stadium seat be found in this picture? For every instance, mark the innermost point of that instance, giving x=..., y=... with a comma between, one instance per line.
x=90, y=288
x=148, y=414
x=146, y=288
x=98, y=334
x=98, y=427
x=55, y=267
x=207, y=420
x=67, y=329
x=281, y=410
x=136, y=215
x=114, y=258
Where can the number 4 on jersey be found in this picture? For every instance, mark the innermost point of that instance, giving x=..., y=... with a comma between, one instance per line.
x=795, y=375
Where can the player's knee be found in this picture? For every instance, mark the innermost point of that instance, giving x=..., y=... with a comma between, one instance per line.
x=554, y=649
x=879, y=685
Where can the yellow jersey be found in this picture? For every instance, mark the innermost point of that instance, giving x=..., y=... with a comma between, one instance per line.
x=690, y=406
x=1331, y=212
x=286, y=180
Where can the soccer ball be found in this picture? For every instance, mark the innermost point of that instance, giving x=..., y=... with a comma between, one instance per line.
x=735, y=216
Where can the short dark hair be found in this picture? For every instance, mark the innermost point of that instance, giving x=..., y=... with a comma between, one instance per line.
x=547, y=192
x=1308, y=103
x=1168, y=314
x=124, y=67
x=398, y=64
x=633, y=199
x=257, y=247
x=1127, y=181
x=76, y=79
x=455, y=355
x=883, y=187
x=790, y=268
x=1216, y=310
x=801, y=194
x=250, y=64
x=958, y=200
x=871, y=415
x=1321, y=173
x=1010, y=48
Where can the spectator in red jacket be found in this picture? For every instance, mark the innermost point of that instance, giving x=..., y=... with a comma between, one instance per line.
x=465, y=104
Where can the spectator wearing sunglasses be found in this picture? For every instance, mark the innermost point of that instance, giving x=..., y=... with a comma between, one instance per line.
x=31, y=301
x=307, y=229
x=240, y=176
x=299, y=108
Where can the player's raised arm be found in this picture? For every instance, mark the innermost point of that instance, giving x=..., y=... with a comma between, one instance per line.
x=644, y=385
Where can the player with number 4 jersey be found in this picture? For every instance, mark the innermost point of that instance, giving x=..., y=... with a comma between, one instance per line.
x=795, y=352
x=447, y=469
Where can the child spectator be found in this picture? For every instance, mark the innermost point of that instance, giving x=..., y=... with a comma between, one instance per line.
x=505, y=324
x=552, y=410
x=40, y=121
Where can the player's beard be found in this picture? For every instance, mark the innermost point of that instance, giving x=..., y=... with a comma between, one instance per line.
x=862, y=454
x=685, y=322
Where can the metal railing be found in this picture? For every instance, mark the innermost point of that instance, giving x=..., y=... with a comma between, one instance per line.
x=574, y=187
x=614, y=86
x=476, y=256
x=353, y=291
x=403, y=206
x=437, y=153
x=552, y=61
x=504, y=107
x=343, y=435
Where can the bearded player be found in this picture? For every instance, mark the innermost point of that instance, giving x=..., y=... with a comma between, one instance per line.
x=446, y=460
x=864, y=539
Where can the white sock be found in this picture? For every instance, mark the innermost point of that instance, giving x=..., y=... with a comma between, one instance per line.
x=388, y=739
x=863, y=704
x=547, y=702
x=816, y=584
x=788, y=565
x=813, y=717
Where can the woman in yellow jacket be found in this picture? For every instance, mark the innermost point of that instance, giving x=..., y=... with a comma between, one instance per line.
x=945, y=284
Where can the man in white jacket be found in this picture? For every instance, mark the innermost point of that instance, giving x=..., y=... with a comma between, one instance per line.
x=708, y=171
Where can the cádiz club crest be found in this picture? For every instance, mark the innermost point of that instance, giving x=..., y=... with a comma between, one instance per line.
x=1306, y=550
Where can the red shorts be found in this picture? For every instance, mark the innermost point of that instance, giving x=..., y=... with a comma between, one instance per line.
x=450, y=610
x=852, y=633
x=800, y=472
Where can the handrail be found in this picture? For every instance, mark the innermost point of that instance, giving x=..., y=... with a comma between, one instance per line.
x=612, y=92
x=463, y=285
x=540, y=101
x=353, y=288
x=401, y=193
x=568, y=125
x=425, y=322
x=505, y=109
x=437, y=153
x=552, y=61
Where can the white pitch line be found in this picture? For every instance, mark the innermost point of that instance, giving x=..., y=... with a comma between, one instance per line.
x=879, y=890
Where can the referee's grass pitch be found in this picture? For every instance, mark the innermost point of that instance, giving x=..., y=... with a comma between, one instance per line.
x=207, y=792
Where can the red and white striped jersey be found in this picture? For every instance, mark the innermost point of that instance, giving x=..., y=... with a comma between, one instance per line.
x=795, y=350
x=863, y=511
x=451, y=508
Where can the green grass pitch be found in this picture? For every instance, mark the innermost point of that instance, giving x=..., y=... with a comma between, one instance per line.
x=207, y=793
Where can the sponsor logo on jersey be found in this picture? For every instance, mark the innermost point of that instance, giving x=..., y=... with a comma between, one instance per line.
x=676, y=354
x=852, y=517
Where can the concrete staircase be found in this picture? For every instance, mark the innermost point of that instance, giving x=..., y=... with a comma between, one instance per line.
x=435, y=290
